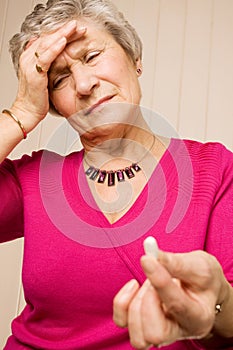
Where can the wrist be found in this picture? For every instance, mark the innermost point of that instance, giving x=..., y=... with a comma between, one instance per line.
x=221, y=335
x=16, y=120
x=27, y=118
x=223, y=324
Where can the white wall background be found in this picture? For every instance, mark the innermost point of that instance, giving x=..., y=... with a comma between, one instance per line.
x=188, y=78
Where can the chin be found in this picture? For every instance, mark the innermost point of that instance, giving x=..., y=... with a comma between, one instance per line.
x=103, y=133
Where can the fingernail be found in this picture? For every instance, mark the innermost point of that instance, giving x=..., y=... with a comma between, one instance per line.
x=148, y=264
x=130, y=285
x=144, y=288
x=82, y=29
x=72, y=23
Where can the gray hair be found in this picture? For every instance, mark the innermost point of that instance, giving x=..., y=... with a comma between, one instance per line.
x=47, y=17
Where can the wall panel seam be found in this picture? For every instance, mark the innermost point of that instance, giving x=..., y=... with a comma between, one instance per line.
x=209, y=69
x=182, y=67
x=4, y=17
x=156, y=53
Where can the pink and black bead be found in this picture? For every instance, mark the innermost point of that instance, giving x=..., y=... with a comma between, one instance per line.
x=111, y=175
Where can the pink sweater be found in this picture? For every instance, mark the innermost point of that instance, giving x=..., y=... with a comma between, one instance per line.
x=75, y=261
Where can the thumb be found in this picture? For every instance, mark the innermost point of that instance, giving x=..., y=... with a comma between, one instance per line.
x=156, y=272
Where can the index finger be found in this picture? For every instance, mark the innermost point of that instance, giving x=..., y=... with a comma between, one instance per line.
x=122, y=301
x=196, y=268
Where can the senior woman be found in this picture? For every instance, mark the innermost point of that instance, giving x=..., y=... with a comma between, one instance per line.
x=84, y=216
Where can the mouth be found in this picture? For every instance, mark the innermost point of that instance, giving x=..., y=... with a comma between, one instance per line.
x=97, y=104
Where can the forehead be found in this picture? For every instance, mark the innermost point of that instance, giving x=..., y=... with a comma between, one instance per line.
x=96, y=35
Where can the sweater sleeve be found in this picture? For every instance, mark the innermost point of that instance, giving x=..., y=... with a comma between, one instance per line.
x=219, y=239
x=11, y=203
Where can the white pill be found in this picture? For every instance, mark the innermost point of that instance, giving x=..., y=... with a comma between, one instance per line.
x=151, y=246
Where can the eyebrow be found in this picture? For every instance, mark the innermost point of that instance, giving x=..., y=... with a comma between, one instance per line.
x=57, y=67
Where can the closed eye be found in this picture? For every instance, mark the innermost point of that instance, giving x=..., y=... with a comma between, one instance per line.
x=90, y=56
x=60, y=80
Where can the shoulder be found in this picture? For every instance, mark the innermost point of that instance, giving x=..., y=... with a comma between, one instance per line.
x=211, y=149
x=208, y=153
x=42, y=158
x=211, y=156
x=212, y=166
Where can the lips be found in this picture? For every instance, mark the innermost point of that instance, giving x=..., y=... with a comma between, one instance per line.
x=97, y=104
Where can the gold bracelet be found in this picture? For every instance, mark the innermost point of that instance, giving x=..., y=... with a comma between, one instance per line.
x=17, y=121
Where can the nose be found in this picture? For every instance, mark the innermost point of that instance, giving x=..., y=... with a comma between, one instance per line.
x=85, y=80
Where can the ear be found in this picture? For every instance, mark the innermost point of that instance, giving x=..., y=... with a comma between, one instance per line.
x=139, y=66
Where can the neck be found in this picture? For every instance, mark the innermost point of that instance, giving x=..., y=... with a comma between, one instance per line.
x=130, y=170
x=128, y=146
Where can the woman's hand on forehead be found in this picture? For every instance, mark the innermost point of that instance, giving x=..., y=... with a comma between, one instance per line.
x=35, y=62
x=50, y=45
x=71, y=31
